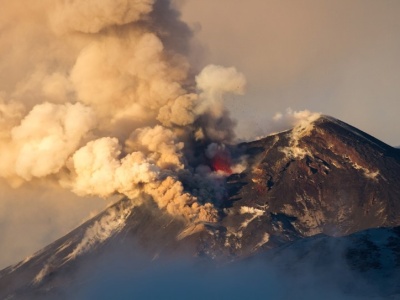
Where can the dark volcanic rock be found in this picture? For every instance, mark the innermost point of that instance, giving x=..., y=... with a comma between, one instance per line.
x=363, y=265
x=324, y=177
x=327, y=177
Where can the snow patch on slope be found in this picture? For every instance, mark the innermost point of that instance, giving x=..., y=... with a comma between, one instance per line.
x=192, y=229
x=250, y=210
x=367, y=173
x=16, y=266
x=234, y=236
x=264, y=240
x=109, y=224
x=102, y=229
x=63, y=247
x=43, y=272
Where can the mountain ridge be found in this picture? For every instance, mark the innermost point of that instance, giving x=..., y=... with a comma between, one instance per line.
x=324, y=167
x=321, y=177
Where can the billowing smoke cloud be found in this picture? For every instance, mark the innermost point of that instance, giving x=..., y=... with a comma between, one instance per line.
x=92, y=16
x=48, y=131
x=290, y=119
x=214, y=82
x=293, y=118
x=108, y=104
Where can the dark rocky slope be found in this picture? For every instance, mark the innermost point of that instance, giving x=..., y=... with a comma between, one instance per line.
x=327, y=177
x=324, y=177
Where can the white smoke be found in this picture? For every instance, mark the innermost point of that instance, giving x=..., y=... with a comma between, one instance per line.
x=302, y=123
x=107, y=103
x=214, y=82
x=44, y=139
x=99, y=171
x=292, y=118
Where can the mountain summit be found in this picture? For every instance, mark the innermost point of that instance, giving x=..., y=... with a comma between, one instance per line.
x=321, y=177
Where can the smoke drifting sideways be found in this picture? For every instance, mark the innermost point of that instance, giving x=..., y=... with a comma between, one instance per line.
x=99, y=98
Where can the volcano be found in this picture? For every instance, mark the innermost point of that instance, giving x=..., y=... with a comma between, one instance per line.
x=319, y=184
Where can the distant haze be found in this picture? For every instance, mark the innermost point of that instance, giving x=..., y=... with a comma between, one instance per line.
x=340, y=58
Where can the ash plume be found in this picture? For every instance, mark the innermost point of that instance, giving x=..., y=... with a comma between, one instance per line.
x=107, y=103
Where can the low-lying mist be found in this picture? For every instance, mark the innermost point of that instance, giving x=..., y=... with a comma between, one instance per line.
x=287, y=273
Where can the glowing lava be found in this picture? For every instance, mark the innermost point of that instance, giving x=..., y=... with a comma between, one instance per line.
x=222, y=162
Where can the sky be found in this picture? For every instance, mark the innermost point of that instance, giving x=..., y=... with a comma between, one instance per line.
x=339, y=58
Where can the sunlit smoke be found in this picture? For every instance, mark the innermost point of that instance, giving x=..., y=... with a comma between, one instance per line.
x=108, y=104
x=292, y=118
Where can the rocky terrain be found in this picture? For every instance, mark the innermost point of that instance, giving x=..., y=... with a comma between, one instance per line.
x=317, y=194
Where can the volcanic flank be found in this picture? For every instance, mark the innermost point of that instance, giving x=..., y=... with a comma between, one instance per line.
x=326, y=175
x=323, y=176
x=108, y=104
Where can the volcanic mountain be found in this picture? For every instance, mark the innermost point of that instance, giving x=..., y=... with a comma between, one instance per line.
x=320, y=183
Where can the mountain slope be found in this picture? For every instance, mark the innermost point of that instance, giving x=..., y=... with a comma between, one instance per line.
x=326, y=177
x=363, y=265
x=113, y=228
x=323, y=176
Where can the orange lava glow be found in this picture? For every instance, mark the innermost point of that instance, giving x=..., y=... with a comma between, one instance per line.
x=222, y=162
